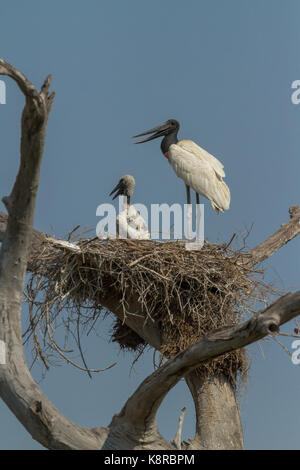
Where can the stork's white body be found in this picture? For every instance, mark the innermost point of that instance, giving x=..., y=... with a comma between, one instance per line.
x=201, y=171
x=130, y=222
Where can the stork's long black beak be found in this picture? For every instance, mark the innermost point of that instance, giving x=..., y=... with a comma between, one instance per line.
x=158, y=131
x=117, y=189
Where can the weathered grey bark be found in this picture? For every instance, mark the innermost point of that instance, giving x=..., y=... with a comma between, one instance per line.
x=177, y=439
x=17, y=388
x=135, y=426
x=218, y=422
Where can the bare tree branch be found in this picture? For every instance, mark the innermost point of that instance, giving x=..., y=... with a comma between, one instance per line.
x=177, y=438
x=142, y=406
x=24, y=84
x=17, y=388
x=272, y=244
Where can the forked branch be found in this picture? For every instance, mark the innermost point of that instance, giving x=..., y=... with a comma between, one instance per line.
x=19, y=391
x=142, y=406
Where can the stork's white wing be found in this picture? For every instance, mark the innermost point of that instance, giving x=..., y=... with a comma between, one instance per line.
x=200, y=171
x=203, y=155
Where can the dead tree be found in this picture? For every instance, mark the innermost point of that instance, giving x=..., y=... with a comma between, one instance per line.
x=134, y=427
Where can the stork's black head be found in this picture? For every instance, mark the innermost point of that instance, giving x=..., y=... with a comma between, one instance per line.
x=169, y=127
x=168, y=130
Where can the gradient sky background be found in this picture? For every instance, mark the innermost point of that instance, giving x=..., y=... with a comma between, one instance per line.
x=222, y=68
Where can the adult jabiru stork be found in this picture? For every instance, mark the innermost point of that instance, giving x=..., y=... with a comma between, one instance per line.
x=200, y=170
x=129, y=222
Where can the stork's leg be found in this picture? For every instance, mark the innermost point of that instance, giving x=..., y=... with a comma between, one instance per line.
x=189, y=211
x=188, y=194
x=198, y=215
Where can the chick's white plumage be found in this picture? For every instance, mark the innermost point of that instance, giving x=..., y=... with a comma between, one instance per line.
x=129, y=223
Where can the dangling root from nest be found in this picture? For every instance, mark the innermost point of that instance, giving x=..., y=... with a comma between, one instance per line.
x=188, y=293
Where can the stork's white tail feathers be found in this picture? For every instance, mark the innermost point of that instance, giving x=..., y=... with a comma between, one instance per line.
x=221, y=203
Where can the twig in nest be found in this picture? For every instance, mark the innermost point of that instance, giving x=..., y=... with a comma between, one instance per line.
x=230, y=241
x=71, y=233
x=133, y=263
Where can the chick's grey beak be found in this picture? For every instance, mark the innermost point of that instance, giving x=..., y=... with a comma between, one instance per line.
x=117, y=189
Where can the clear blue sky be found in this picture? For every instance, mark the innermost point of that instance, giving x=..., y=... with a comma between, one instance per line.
x=222, y=68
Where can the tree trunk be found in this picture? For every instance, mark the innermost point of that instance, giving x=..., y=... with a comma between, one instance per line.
x=218, y=423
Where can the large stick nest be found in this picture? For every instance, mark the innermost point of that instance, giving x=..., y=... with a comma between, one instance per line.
x=187, y=293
